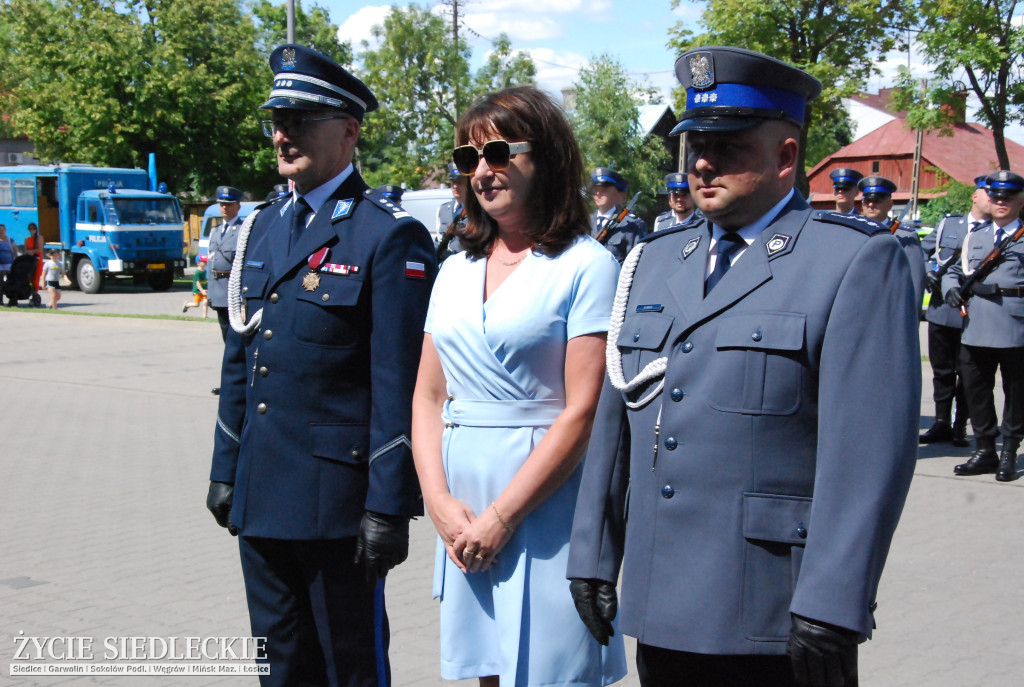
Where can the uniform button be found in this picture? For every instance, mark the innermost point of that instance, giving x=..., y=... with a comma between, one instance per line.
x=687, y=347
x=273, y=298
x=326, y=297
x=268, y=335
x=801, y=531
x=355, y=453
x=671, y=443
x=245, y=289
x=677, y=395
x=261, y=408
x=636, y=336
x=756, y=336
x=264, y=372
x=667, y=491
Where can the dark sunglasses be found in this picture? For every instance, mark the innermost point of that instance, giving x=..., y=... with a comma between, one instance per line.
x=496, y=153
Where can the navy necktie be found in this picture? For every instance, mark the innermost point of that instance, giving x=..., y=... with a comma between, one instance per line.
x=999, y=236
x=300, y=213
x=727, y=247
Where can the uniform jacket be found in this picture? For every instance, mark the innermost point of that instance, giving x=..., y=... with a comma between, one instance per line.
x=315, y=407
x=785, y=448
x=950, y=235
x=222, y=253
x=911, y=244
x=667, y=220
x=445, y=216
x=624, y=237
x=993, y=320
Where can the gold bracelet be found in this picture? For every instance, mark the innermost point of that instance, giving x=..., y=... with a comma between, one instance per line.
x=508, y=527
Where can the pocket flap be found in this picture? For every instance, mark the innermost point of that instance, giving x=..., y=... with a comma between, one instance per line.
x=646, y=330
x=254, y=283
x=334, y=290
x=342, y=443
x=778, y=518
x=780, y=331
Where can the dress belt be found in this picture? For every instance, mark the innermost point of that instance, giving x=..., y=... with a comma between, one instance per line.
x=519, y=413
x=1015, y=291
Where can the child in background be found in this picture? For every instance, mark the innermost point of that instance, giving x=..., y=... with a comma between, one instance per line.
x=199, y=287
x=53, y=270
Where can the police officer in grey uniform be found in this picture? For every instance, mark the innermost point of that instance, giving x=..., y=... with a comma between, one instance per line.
x=876, y=203
x=747, y=469
x=945, y=323
x=682, y=211
x=312, y=464
x=993, y=333
x=451, y=218
x=844, y=187
x=222, y=253
x=609, y=191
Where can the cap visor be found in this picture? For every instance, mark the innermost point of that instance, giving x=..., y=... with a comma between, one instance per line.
x=291, y=104
x=715, y=124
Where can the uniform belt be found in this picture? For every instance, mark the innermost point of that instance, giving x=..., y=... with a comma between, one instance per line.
x=524, y=413
x=221, y=274
x=1016, y=291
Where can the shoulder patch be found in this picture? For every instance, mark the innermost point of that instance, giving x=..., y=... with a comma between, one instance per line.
x=858, y=222
x=673, y=230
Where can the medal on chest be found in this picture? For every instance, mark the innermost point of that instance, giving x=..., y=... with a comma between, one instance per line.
x=311, y=282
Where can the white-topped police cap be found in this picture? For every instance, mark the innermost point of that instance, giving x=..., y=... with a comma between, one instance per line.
x=677, y=182
x=876, y=186
x=603, y=176
x=1004, y=180
x=391, y=191
x=305, y=79
x=845, y=177
x=729, y=89
x=228, y=194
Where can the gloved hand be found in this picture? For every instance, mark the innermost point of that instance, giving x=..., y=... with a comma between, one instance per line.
x=597, y=605
x=953, y=297
x=822, y=655
x=382, y=544
x=933, y=282
x=218, y=500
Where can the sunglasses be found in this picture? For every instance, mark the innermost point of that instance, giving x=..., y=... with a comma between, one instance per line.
x=496, y=153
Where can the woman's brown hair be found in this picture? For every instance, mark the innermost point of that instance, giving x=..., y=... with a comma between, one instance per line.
x=524, y=113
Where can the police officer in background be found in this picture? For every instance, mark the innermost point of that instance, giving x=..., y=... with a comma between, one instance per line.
x=765, y=464
x=993, y=333
x=609, y=191
x=312, y=464
x=876, y=204
x=844, y=187
x=222, y=253
x=680, y=201
x=945, y=323
x=451, y=218
x=391, y=192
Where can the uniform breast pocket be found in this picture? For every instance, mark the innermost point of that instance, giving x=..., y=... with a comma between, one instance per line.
x=328, y=316
x=254, y=285
x=758, y=364
x=641, y=340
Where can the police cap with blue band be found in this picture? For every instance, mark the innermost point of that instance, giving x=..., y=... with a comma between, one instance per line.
x=228, y=194
x=305, y=79
x=1004, y=181
x=391, y=192
x=979, y=181
x=602, y=176
x=677, y=182
x=874, y=187
x=844, y=177
x=453, y=171
x=729, y=89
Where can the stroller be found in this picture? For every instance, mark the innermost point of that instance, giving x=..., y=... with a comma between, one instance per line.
x=18, y=286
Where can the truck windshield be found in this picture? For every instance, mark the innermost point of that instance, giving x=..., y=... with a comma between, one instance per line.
x=143, y=211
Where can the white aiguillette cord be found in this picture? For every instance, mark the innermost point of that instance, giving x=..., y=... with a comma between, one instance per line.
x=235, y=316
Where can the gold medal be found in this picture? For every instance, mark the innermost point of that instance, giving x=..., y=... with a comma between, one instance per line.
x=311, y=281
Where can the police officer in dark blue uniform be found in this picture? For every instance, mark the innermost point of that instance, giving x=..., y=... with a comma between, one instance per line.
x=945, y=323
x=312, y=464
x=746, y=468
x=993, y=334
x=876, y=203
x=391, y=192
x=844, y=186
x=222, y=253
x=609, y=193
x=682, y=211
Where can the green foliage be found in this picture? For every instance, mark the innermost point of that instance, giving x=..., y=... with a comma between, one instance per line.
x=504, y=68
x=313, y=29
x=607, y=125
x=957, y=201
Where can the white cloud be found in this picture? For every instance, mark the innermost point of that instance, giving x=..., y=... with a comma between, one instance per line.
x=556, y=70
x=356, y=28
x=518, y=26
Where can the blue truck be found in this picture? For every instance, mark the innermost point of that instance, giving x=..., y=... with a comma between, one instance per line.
x=105, y=221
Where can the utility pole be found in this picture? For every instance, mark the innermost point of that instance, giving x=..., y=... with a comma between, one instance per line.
x=915, y=178
x=455, y=39
x=291, y=21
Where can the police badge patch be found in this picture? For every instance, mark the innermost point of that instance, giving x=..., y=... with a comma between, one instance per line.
x=288, y=58
x=702, y=70
x=690, y=246
x=776, y=244
x=343, y=208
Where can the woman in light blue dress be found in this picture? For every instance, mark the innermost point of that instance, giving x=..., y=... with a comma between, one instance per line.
x=512, y=366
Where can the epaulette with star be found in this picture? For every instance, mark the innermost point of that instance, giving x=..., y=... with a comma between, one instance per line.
x=385, y=204
x=674, y=229
x=858, y=222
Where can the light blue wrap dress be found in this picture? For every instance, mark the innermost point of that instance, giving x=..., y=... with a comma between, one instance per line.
x=504, y=362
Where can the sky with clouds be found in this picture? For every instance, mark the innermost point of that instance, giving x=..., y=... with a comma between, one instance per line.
x=563, y=35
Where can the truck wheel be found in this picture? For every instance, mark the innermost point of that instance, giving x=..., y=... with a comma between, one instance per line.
x=89, y=279
x=161, y=281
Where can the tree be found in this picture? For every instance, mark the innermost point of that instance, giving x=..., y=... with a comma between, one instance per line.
x=607, y=125
x=312, y=29
x=830, y=39
x=504, y=68
x=956, y=201
x=981, y=40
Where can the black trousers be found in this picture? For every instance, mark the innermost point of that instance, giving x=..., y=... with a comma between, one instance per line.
x=659, y=667
x=222, y=320
x=323, y=623
x=978, y=365
x=947, y=384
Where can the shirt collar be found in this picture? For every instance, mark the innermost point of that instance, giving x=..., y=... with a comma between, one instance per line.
x=750, y=232
x=318, y=196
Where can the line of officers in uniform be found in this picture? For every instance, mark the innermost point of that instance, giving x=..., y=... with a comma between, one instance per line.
x=970, y=335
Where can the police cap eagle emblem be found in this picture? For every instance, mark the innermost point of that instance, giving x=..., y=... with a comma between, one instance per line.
x=702, y=70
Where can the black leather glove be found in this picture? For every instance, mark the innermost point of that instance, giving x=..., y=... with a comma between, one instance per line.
x=382, y=544
x=218, y=500
x=597, y=605
x=933, y=282
x=822, y=655
x=953, y=297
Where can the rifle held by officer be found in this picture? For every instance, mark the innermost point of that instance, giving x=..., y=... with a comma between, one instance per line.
x=968, y=288
x=614, y=222
x=896, y=225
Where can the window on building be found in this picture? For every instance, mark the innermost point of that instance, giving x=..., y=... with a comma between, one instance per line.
x=874, y=167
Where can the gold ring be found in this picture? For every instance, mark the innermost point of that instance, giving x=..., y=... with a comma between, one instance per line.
x=469, y=553
x=479, y=556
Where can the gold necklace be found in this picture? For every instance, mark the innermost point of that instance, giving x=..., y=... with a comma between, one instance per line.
x=513, y=263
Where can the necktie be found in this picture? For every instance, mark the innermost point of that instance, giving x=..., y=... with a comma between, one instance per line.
x=975, y=225
x=727, y=247
x=999, y=236
x=300, y=213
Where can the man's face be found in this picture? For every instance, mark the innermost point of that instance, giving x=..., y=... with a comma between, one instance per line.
x=876, y=207
x=681, y=201
x=738, y=176
x=606, y=197
x=313, y=152
x=1005, y=207
x=845, y=196
x=981, y=208
x=229, y=210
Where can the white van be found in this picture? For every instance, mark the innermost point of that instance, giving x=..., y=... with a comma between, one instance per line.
x=423, y=205
x=211, y=219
